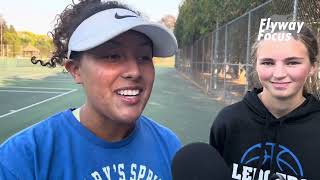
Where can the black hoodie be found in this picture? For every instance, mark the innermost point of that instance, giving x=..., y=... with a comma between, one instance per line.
x=251, y=139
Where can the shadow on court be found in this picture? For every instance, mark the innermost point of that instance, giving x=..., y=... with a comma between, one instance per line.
x=175, y=102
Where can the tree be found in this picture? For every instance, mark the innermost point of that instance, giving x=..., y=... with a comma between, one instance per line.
x=169, y=21
x=12, y=41
x=199, y=17
x=42, y=42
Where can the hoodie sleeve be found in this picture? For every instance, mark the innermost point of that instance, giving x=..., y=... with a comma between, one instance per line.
x=218, y=132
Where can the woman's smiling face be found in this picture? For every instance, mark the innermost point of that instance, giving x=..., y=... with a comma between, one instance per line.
x=283, y=67
x=118, y=77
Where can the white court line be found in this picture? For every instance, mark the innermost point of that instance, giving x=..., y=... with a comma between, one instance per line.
x=62, y=81
x=4, y=115
x=32, y=75
x=22, y=87
x=37, y=80
x=18, y=91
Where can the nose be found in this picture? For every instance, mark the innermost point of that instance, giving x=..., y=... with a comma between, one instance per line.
x=131, y=68
x=279, y=71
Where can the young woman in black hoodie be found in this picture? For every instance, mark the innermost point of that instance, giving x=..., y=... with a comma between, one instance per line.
x=273, y=133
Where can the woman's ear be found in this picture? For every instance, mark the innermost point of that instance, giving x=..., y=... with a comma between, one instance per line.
x=314, y=69
x=73, y=67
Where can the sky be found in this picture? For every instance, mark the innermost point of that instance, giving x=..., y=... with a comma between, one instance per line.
x=38, y=16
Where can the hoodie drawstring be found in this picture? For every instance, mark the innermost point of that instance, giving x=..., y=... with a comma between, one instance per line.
x=274, y=153
x=264, y=139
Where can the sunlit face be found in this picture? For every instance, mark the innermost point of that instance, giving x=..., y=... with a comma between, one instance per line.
x=118, y=77
x=283, y=67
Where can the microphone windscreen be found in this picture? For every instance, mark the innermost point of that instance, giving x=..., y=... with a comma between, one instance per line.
x=199, y=161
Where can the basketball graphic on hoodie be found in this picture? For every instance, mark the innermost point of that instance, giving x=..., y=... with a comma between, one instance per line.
x=284, y=159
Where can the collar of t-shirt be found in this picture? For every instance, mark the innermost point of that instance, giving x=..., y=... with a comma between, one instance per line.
x=76, y=114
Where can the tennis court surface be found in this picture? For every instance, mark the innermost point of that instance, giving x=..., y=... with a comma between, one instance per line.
x=29, y=95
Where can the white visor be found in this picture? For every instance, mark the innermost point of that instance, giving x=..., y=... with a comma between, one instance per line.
x=105, y=25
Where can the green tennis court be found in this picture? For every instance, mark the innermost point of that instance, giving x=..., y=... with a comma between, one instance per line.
x=29, y=94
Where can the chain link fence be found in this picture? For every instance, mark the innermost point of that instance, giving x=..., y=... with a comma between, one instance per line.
x=219, y=62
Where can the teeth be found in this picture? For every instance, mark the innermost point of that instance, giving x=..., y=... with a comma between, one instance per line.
x=129, y=92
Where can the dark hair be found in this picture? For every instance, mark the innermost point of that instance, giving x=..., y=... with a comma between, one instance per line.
x=310, y=41
x=66, y=23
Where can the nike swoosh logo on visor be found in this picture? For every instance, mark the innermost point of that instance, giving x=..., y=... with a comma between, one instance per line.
x=117, y=16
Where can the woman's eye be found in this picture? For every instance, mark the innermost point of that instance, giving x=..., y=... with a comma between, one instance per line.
x=144, y=59
x=114, y=56
x=111, y=58
x=293, y=63
x=268, y=63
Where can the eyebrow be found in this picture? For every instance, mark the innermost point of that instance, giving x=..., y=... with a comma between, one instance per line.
x=286, y=59
x=293, y=58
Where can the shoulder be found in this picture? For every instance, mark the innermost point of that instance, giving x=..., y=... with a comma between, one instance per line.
x=38, y=130
x=225, y=123
x=231, y=112
x=6, y=173
x=17, y=153
x=160, y=131
x=232, y=118
x=236, y=107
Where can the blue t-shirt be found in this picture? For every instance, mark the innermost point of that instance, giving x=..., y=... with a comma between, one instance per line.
x=60, y=147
